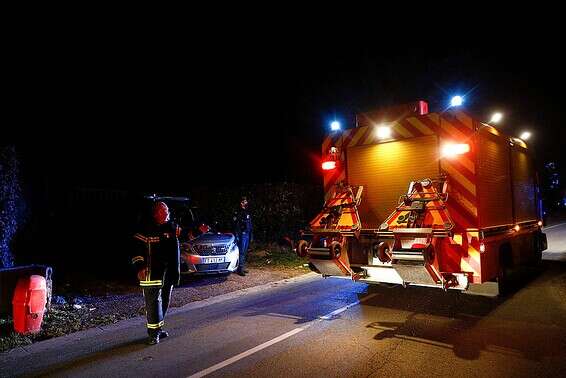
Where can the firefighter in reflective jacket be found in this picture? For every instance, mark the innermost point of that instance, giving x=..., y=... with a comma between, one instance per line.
x=243, y=231
x=158, y=267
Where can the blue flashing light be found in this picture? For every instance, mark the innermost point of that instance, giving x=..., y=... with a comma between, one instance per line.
x=335, y=126
x=457, y=101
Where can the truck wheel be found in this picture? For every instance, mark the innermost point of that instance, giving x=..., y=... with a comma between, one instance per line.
x=505, y=263
x=335, y=250
x=382, y=252
x=503, y=281
x=429, y=254
x=536, y=257
x=302, y=248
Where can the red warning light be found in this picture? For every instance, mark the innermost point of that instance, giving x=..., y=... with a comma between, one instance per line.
x=328, y=165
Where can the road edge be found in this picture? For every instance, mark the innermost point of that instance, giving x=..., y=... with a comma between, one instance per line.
x=140, y=320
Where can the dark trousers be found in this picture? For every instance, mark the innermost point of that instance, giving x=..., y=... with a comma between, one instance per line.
x=157, y=300
x=243, y=244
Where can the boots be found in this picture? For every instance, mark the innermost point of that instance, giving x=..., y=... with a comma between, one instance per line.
x=153, y=338
x=156, y=335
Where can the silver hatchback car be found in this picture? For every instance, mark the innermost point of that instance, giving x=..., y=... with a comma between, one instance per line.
x=202, y=250
x=210, y=252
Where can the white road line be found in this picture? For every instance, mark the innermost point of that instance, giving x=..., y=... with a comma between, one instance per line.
x=336, y=312
x=284, y=336
x=248, y=352
x=556, y=225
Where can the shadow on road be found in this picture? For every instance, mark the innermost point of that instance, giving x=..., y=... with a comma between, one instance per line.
x=530, y=321
x=93, y=358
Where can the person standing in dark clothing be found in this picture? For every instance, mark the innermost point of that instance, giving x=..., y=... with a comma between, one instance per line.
x=243, y=232
x=158, y=266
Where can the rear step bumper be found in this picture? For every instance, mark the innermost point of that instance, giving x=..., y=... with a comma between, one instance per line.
x=407, y=255
x=406, y=275
x=319, y=253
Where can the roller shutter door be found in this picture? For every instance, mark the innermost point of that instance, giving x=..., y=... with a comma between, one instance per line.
x=494, y=186
x=524, y=190
x=385, y=170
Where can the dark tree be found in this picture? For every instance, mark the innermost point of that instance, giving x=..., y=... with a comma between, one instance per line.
x=10, y=195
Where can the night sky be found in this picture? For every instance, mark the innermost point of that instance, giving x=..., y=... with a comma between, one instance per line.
x=112, y=113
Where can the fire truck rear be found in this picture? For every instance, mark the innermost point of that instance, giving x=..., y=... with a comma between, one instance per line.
x=426, y=199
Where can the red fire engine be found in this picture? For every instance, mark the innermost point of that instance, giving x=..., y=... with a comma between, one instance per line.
x=429, y=199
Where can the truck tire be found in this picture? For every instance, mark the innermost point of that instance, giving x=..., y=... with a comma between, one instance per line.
x=382, y=251
x=505, y=263
x=302, y=246
x=335, y=250
x=536, y=252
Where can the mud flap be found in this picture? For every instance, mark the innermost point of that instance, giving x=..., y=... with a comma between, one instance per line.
x=407, y=275
x=332, y=261
x=415, y=274
x=328, y=267
x=486, y=289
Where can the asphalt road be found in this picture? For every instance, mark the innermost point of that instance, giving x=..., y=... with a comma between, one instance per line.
x=556, y=236
x=334, y=327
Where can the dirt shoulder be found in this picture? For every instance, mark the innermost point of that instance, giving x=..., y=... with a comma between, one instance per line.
x=95, y=304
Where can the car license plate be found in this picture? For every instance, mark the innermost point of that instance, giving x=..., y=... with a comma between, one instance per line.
x=212, y=260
